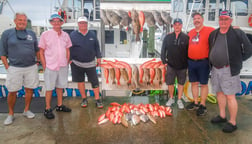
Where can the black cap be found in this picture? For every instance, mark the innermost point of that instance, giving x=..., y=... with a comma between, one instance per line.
x=177, y=20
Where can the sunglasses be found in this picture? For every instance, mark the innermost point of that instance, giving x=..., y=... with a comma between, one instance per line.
x=196, y=38
x=21, y=36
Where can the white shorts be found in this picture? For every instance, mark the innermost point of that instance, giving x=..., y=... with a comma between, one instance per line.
x=22, y=76
x=56, y=79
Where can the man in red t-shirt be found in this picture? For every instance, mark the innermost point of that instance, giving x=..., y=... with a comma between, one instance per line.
x=198, y=65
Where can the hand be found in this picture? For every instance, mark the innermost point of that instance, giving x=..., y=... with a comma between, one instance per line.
x=70, y=62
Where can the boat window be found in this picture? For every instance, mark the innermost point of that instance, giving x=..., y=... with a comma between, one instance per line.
x=178, y=6
x=196, y=5
x=240, y=7
x=123, y=37
x=211, y=10
x=68, y=31
x=109, y=37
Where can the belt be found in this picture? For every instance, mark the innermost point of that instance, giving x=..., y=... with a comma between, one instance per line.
x=198, y=59
x=221, y=67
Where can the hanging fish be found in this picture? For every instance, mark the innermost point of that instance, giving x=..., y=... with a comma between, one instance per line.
x=135, y=24
x=135, y=76
x=113, y=18
x=157, y=17
x=104, y=17
x=141, y=20
x=112, y=75
x=149, y=19
x=126, y=20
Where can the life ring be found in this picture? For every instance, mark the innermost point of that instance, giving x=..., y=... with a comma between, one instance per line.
x=250, y=20
x=210, y=97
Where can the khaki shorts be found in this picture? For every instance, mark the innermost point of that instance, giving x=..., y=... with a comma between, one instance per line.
x=56, y=79
x=222, y=81
x=22, y=76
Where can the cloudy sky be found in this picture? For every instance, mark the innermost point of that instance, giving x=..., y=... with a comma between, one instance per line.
x=37, y=10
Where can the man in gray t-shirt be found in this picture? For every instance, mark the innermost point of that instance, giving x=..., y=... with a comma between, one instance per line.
x=228, y=48
x=20, y=47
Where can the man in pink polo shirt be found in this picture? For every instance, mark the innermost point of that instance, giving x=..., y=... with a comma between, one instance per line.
x=54, y=47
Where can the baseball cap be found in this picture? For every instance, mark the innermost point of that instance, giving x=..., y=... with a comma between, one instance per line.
x=53, y=16
x=82, y=19
x=177, y=20
x=226, y=13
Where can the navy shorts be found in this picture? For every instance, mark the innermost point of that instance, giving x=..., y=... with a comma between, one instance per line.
x=198, y=71
x=78, y=75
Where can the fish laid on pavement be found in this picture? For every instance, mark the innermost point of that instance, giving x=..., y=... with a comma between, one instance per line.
x=151, y=118
x=135, y=24
x=124, y=121
x=135, y=119
x=144, y=118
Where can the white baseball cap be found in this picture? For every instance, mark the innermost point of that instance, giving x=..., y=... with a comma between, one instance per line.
x=82, y=19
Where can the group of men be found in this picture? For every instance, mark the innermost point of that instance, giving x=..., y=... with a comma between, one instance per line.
x=205, y=49
x=21, y=53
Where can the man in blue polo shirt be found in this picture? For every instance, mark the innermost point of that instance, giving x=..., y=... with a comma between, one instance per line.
x=20, y=46
x=84, y=54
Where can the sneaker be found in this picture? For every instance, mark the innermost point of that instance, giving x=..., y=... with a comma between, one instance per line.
x=9, y=120
x=28, y=114
x=218, y=119
x=180, y=104
x=170, y=102
x=48, y=114
x=99, y=104
x=229, y=128
x=84, y=103
x=201, y=110
x=192, y=106
x=63, y=108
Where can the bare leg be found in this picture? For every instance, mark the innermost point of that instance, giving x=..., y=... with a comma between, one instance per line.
x=48, y=99
x=203, y=94
x=222, y=101
x=233, y=108
x=171, y=90
x=28, y=98
x=180, y=91
x=195, y=91
x=96, y=93
x=11, y=101
x=81, y=87
x=59, y=92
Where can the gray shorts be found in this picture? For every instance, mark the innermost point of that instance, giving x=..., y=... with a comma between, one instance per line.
x=56, y=79
x=222, y=81
x=172, y=73
x=22, y=76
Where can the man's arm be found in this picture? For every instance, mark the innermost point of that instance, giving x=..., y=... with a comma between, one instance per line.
x=247, y=47
x=68, y=54
x=163, y=51
x=42, y=58
x=5, y=62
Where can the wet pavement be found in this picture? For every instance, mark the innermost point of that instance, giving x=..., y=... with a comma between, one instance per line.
x=80, y=126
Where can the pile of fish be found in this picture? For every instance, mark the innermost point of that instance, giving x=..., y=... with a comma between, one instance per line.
x=133, y=114
x=145, y=73
x=136, y=18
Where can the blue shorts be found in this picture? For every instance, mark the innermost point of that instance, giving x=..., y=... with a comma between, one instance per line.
x=198, y=71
